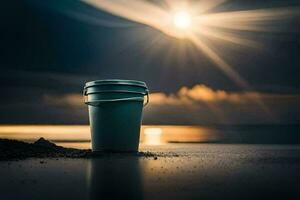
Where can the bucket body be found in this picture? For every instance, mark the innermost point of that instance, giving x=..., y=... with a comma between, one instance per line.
x=115, y=113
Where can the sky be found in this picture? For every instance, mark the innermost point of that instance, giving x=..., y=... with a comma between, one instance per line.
x=49, y=49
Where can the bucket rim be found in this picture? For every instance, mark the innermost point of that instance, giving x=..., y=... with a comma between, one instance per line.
x=116, y=82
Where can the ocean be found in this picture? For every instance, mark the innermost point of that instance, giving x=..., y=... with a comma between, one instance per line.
x=78, y=136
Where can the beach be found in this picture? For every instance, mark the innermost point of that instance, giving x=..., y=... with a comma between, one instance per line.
x=180, y=171
x=150, y=100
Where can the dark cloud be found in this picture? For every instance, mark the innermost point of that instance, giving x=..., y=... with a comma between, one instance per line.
x=197, y=105
x=204, y=105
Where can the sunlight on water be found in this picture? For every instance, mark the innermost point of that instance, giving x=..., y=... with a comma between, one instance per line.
x=78, y=136
x=152, y=136
x=51, y=132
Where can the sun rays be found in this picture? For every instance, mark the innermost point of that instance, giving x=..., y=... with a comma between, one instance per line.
x=194, y=21
x=197, y=22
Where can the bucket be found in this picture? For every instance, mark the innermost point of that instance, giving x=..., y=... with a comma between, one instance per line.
x=115, y=112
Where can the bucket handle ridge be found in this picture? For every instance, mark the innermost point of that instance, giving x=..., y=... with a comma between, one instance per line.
x=98, y=102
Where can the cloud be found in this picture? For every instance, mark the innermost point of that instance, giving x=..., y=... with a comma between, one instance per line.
x=202, y=105
x=206, y=94
x=203, y=93
x=72, y=99
x=164, y=99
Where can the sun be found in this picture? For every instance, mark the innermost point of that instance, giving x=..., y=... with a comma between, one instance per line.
x=182, y=19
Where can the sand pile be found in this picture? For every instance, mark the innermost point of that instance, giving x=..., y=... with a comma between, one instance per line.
x=13, y=149
x=42, y=148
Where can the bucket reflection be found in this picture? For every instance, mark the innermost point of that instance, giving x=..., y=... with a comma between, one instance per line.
x=115, y=178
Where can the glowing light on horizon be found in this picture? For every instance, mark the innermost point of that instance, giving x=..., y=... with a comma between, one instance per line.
x=152, y=136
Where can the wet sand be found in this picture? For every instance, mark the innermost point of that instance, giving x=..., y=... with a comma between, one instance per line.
x=187, y=171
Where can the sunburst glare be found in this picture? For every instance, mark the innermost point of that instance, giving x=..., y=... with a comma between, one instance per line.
x=182, y=19
x=197, y=22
